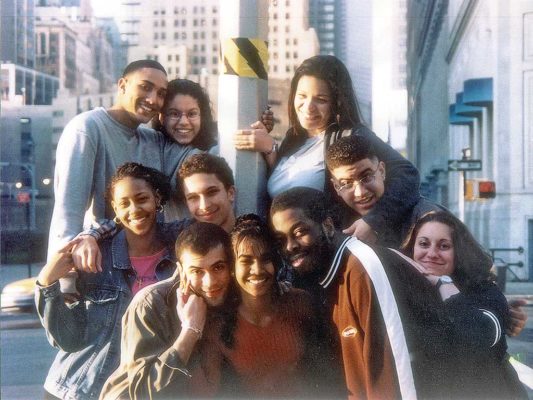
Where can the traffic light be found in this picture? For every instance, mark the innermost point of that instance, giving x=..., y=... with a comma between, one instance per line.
x=487, y=189
x=476, y=189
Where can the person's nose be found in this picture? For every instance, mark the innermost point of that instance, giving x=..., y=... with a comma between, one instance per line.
x=432, y=252
x=204, y=203
x=291, y=245
x=256, y=268
x=359, y=190
x=207, y=280
x=152, y=98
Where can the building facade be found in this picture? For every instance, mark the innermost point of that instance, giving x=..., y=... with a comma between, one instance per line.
x=470, y=95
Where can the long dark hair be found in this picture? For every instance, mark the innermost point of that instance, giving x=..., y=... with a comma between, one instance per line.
x=345, y=112
x=206, y=137
x=252, y=230
x=472, y=263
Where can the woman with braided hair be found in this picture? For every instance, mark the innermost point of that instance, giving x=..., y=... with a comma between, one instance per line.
x=87, y=330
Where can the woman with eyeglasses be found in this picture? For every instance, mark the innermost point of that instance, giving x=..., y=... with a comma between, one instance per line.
x=186, y=117
x=323, y=108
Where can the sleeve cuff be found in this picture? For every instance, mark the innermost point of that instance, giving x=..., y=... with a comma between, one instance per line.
x=172, y=360
x=52, y=290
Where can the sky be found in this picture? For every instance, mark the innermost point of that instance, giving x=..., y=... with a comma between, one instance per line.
x=105, y=8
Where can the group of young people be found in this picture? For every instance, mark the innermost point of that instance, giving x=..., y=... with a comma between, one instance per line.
x=401, y=304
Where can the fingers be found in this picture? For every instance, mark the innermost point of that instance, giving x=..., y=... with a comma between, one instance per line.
x=517, y=303
x=87, y=256
x=258, y=125
x=67, y=248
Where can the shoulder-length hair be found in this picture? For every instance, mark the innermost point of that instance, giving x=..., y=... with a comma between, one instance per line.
x=206, y=137
x=472, y=263
x=345, y=112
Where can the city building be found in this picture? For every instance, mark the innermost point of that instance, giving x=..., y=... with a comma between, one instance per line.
x=290, y=37
x=470, y=95
x=182, y=35
x=372, y=40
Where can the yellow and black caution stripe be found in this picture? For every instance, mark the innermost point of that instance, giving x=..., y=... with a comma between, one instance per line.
x=245, y=57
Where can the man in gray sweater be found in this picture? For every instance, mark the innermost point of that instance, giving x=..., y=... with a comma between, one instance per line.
x=96, y=142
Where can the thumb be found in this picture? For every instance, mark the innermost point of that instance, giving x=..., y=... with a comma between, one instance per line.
x=70, y=245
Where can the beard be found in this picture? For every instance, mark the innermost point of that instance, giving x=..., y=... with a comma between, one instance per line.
x=316, y=259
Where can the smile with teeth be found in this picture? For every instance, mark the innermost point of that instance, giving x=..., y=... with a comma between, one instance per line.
x=147, y=108
x=137, y=220
x=365, y=200
x=298, y=259
x=257, y=280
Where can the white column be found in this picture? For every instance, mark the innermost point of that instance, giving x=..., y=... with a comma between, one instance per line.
x=242, y=99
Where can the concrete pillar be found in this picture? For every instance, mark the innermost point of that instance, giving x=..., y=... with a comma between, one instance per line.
x=243, y=94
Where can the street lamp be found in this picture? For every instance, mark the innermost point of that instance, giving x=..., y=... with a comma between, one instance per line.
x=18, y=185
x=47, y=181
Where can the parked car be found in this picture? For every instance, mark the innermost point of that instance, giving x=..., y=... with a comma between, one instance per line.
x=19, y=295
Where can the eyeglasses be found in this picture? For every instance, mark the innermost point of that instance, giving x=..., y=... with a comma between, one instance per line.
x=350, y=184
x=176, y=115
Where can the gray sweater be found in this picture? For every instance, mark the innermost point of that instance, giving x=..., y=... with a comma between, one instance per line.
x=92, y=146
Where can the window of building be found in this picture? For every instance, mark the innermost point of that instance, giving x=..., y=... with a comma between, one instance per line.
x=163, y=35
x=156, y=58
x=274, y=28
x=215, y=22
x=169, y=70
x=214, y=60
x=156, y=12
x=194, y=10
x=176, y=35
x=295, y=41
x=156, y=23
x=195, y=60
x=275, y=16
x=183, y=22
x=177, y=57
x=287, y=29
x=202, y=60
x=163, y=22
x=176, y=22
x=195, y=35
x=195, y=22
x=184, y=35
x=156, y=35
x=163, y=12
x=195, y=47
x=214, y=9
x=287, y=16
x=287, y=55
x=202, y=34
x=287, y=68
x=215, y=71
x=202, y=47
x=169, y=58
x=287, y=41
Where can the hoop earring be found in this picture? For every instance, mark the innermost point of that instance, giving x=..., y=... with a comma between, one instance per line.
x=116, y=220
x=159, y=208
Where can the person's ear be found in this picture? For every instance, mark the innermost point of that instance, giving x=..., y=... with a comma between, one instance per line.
x=381, y=169
x=231, y=194
x=335, y=186
x=122, y=85
x=328, y=228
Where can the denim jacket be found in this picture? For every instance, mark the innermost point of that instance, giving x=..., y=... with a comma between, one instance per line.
x=87, y=333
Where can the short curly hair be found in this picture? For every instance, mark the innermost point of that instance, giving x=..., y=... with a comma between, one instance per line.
x=348, y=151
x=206, y=163
x=207, y=136
x=159, y=182
x=311, y=201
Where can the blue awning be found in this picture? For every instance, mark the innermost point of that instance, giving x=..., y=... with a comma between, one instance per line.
x=455, y=119
x=464, y=109
x=478, y=92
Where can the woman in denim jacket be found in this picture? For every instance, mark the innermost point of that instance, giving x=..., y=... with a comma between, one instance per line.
x=86, y=326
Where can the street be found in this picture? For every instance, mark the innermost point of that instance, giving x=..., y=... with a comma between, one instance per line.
x=26, y=358
x=26, y=355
